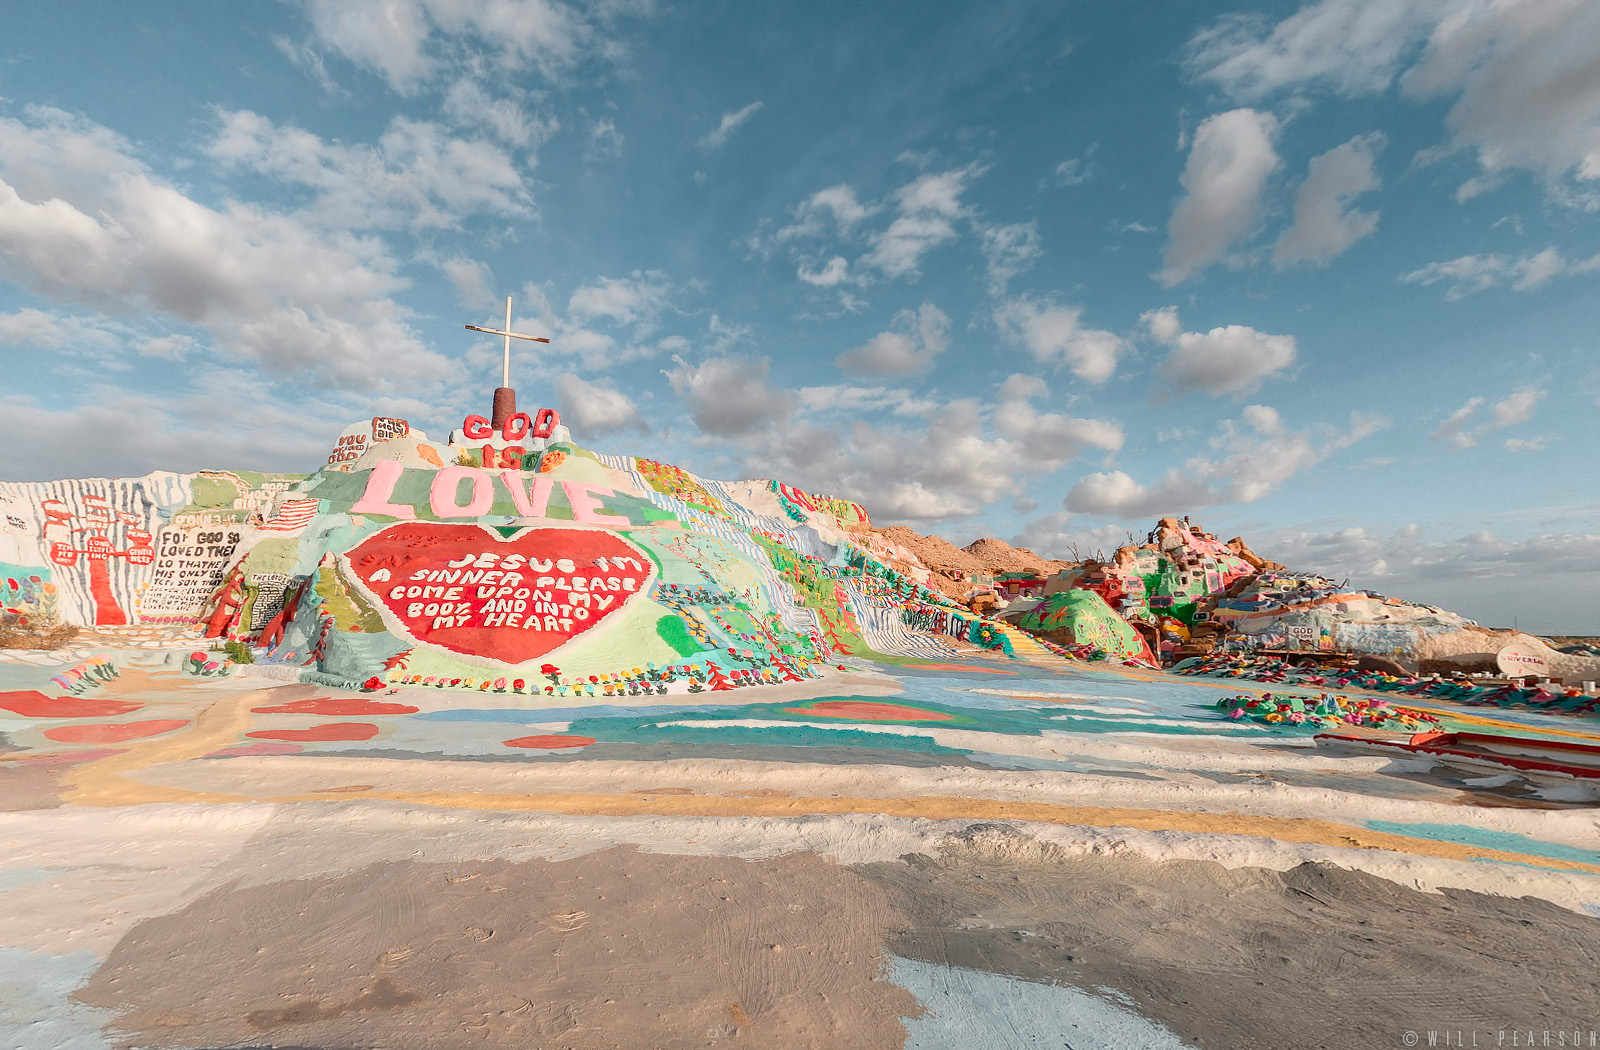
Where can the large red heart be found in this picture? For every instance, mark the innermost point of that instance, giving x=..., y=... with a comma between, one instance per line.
x=466, y=590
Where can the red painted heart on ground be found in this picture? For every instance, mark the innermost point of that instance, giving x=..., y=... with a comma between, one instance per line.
x=467, y=590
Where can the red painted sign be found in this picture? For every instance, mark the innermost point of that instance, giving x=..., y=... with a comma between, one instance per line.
x=464, y=589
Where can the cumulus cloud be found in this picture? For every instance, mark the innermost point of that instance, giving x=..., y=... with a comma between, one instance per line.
x=1064, y=536
x=1471, y=274
x=592, y=408
x=909, y=348
x=1519, y=76
x=1048, y=440
x=834, y=209
x=926, y=214
x=1053, y=335
x=1325, y=224
x=83, y=219
x=1232, y=359
x=731, y=122
x=950, y=469
x=417, y=174
x=858, y=441
x=1252, y=457
x=1230, y=160
x=731, y=396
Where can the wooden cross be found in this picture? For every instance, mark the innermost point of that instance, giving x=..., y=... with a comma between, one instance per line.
x=505, y=366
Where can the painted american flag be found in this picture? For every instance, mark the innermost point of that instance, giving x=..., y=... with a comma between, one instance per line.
x=292, y=515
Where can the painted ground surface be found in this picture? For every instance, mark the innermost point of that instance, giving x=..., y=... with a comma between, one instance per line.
x=980, y=851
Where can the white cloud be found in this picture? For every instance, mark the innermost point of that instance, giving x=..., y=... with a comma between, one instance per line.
x=1009, y=250
x=730, y=396
x=1229, y=163
x=471, y=279
x=469, y=104
x=926, y=213
x=1075, y=170
x=1053, y=335
x=1048, y=441
x=397, y=39
x=1519, y=75
x=834, y=208
x=835, y=272
x=1526, y=444
x=82, y=219
x=417, y=174
x=1253, y=457
x=595, y=409
x=1512, y=410
x=636, y=299
x=604, y=140
x=896, y=401
x=919, y=336
x=731, y=122
x=1515, y=408
x=1062, y=536
x=1353, y=47
x=175, y=432
x=1162, y=324
x=956, y=472
x=1325, y=224
x=41, y=329
x=1471, y=274
x=1232, y=359
x=1453, y=429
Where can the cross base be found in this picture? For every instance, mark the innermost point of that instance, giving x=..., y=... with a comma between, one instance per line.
x=505, y=406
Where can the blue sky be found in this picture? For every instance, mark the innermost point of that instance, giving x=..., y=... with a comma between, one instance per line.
x=1323, y=275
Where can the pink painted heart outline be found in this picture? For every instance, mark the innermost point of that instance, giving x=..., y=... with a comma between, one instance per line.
x=400, y=547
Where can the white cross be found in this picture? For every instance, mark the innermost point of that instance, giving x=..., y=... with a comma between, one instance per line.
x=505, y=365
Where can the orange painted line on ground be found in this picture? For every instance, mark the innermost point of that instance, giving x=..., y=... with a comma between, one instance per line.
x=959, y=667
x=1284, y=829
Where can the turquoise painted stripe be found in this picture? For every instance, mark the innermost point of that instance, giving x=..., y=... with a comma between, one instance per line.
x=1507, y=841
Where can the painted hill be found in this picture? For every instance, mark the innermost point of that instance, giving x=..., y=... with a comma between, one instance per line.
x=494, y=561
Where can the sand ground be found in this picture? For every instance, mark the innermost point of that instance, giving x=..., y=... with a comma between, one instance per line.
x=1011, y=857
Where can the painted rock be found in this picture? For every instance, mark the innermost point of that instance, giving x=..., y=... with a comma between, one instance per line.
x=467, y=590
